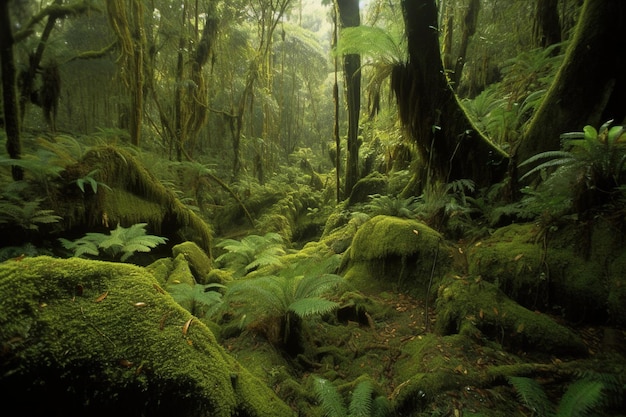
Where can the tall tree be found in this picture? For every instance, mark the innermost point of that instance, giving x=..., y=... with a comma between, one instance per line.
x=9, y=93
x=349, y=16
x=449, y=146
x=590, y=86
x=126, y=19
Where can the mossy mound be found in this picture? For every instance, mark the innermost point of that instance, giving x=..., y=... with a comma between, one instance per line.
x=391, y=252
x=199, y=262
x=575, y=270
x=132, y=195
x=480, y=310
x=98, y=338
x=512, y=259
x=374, y=183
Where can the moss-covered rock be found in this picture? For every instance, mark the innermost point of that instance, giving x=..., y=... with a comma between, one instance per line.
x=479, y=309
x=391, y=252
x=199, y=262
x=96, y=338
x=374, y=183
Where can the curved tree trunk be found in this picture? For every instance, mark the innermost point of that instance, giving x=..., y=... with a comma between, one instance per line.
x=449, y=146
x=590, y=87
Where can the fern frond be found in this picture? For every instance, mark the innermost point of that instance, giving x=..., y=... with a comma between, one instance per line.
x=315, y=285
x=312, y=306
x=580, y=398
x=329, y=398
x=361, y=401
x=531, y=394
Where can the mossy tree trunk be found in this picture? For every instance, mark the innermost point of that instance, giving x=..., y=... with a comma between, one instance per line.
x=448, y=145
x=9, y=92
x=590, y=87
x=349, y=17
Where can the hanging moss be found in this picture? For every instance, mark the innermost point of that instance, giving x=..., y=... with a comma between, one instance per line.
x=97, y=338
x=135, y=196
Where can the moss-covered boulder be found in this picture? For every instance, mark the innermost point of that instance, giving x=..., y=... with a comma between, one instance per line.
x=95, y=338
x=479, y=309
x=374, y=183
x=396, y=253
x=199, y=261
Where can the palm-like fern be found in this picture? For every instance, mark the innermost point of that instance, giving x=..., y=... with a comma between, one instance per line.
x=591, y=165
x=251, y=252
x=393, y=206
x=122, y=242
x=363, y=403
x=27, y=215
x=200, y=300
x=276, y=304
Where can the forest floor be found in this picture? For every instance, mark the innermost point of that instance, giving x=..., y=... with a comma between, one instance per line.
x=388, y=339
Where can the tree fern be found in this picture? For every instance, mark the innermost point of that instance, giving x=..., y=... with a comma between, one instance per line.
x=200, y=300
x=121, y=242
x=251, y=252
x=25, y=214
x=277, y=304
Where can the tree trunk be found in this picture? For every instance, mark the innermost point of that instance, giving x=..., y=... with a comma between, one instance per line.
x=9, y=93
x=349, y=16
x=547, y=28
x=448, y=145
x=469, y=28
x=590, y=87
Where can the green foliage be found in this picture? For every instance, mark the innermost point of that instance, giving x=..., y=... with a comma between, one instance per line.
x=372, y=42
x=89, y=179
x=276, y=303
x=203, y=300
x=363, y=403
x=16, y=210
x=250, y=253
x=122, y=242
x=581, y=398
x=587, y=171
x=393, y=206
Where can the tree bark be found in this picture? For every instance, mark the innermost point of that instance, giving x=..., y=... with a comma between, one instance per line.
x=547, y=28
x=349, y=16
x=9, y=92
x=448, y=145
x=590, y=86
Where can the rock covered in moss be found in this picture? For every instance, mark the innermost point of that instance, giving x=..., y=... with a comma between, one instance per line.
x=391, y=251
x=95, y=338
x=199, y=261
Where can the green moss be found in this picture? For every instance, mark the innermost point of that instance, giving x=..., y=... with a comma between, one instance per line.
x=374, y=183
x=480, y=309
x=390, y=252
x=199, y=261
x=511, y=259
x=102, y=336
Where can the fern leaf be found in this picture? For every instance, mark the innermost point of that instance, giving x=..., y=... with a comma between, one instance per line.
x=313, y=285
x=312, y=306
x=361, y=401
x=531, y=394
x=329, y=397
x=580, y=398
